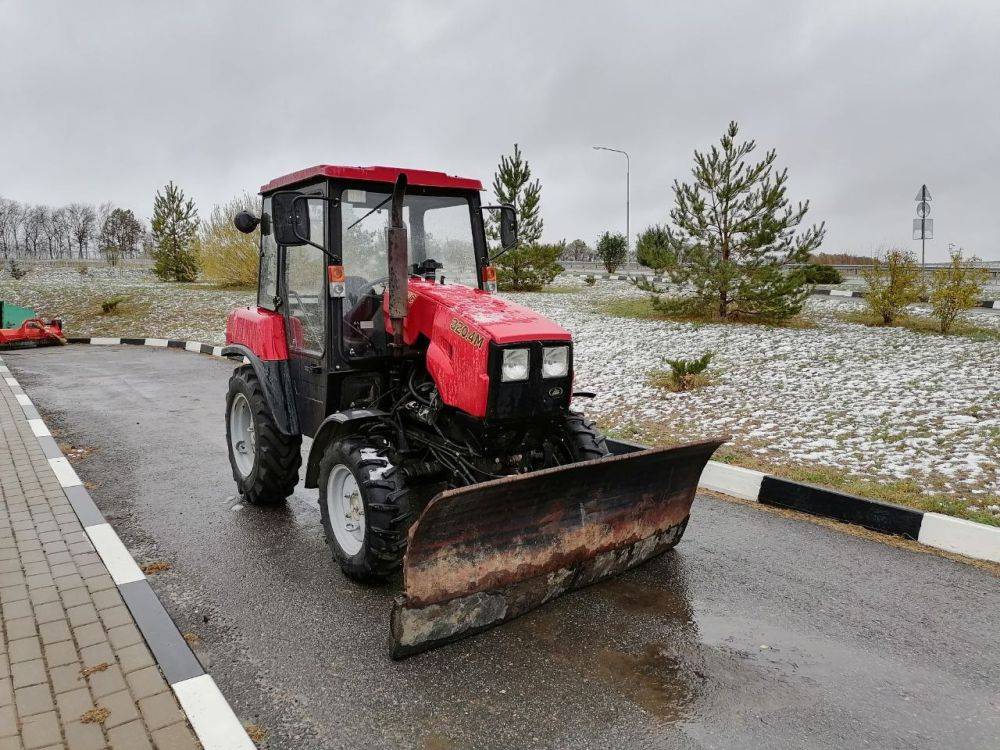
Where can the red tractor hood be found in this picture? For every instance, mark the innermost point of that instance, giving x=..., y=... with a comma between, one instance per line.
x=458, y=324
x=493, y=317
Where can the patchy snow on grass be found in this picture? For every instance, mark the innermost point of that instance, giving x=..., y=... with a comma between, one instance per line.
x=883, y=404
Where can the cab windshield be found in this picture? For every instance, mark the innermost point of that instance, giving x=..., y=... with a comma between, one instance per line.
x=439, y=229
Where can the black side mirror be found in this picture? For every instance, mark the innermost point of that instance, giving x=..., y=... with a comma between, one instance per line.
x=290, y=218
x=508, y=227
x=245, y=221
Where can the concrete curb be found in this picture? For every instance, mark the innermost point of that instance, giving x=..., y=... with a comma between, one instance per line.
x=987, y=303
x=947, y=533
x=207, y=710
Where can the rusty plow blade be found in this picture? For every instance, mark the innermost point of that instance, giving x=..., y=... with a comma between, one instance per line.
x=484, y=554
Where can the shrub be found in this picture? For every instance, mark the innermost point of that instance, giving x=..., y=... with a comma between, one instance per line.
x=685, y=306
x=684, y=374
x=590, y=280
x=955, y=288
x=226, y=255
x=16, y=270
x=612, y=249
x=892, y=285
x=110, y=305
x=643, y=284
x=653, y=249
x=528, y=268
x=819, y=273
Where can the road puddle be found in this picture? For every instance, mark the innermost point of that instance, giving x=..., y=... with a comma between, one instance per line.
x=654, y=678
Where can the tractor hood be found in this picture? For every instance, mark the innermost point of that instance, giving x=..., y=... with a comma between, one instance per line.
x=473, y=312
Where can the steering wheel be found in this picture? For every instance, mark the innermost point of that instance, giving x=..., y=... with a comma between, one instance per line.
x=368, y=289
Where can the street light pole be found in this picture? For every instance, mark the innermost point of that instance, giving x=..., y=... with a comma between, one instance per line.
x=628, y=169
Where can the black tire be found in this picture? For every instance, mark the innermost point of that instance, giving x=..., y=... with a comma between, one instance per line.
x=277, y=457
x=583, y=439
x=385, y=496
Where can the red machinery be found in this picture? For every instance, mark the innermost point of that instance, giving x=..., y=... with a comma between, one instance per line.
x=33, y=332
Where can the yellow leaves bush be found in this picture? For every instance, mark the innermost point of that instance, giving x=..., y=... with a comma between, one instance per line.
x=227, y=256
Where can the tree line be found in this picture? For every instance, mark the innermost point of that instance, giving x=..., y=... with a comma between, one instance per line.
x=78, y=230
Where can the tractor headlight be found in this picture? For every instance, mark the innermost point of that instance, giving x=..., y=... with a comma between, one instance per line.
x=515, y=365
x=555, y=361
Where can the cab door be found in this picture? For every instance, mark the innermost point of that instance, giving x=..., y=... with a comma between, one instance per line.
x=306, y=309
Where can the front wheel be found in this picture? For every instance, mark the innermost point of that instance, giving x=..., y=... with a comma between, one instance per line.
x=265, y=462
x=364, y=505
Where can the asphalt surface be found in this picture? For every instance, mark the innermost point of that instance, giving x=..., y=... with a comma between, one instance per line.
x=756, y=631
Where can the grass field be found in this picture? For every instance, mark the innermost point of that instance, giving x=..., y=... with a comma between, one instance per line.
x=894, y=413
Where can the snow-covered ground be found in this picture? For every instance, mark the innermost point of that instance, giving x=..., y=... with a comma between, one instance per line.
x=882, y=404
x=879, y=404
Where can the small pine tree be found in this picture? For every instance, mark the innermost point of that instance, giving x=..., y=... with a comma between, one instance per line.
x=512, y=184
x=612, y=249
x=955, y=289
x=174, y=225
x=735, y=232
x=892, y=285
x=653, y=249
x=528, y=268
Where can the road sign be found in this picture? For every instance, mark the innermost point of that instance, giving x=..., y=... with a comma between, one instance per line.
x=923, y=194
x=923, y=229
x=923, y=209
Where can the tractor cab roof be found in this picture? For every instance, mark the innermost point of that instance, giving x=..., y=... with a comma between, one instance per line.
x=388, y=175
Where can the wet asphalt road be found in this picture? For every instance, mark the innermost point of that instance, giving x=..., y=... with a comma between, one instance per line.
x=757, y=631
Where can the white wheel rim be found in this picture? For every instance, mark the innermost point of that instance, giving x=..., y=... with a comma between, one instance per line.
x=346, y=509
x=242, y=435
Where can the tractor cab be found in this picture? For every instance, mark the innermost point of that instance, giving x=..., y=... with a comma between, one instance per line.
x=325, y=270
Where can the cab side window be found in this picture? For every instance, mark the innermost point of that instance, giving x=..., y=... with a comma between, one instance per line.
x=305, y=279
x=267, y=290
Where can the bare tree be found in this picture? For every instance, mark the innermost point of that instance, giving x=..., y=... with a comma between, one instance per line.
x=83, y=220
x=121, y=234
x=9, y=210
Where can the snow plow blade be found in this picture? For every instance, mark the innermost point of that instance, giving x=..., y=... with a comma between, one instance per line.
x=484, y=554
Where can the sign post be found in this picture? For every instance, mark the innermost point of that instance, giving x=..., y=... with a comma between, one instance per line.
x=923, y=227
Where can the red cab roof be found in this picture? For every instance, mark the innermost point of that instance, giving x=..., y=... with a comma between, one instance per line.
x=374, y=174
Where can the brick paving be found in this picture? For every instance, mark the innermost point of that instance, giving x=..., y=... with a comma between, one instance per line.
x=74, y=670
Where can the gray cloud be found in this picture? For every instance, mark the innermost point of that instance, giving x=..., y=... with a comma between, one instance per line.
x=864, y=101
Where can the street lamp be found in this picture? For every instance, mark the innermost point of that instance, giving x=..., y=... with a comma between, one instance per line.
x=628, y=235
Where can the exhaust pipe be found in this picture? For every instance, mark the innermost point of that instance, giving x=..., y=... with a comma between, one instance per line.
x=398, y=276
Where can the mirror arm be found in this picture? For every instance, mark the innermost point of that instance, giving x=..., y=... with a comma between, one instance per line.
x=306, y=240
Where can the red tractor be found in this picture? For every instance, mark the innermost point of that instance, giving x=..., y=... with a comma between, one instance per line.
x=443, y=439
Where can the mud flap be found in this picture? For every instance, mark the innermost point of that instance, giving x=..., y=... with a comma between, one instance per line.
x=481, y=555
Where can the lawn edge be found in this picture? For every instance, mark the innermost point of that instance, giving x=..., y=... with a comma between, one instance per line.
x=948, y=533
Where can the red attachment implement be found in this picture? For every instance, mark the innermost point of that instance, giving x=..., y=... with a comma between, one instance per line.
x=33, y=332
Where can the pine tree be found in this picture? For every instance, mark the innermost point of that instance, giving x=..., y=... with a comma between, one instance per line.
x=512, y=184
x=734, y=234
x=174, y=225
x=612, y=249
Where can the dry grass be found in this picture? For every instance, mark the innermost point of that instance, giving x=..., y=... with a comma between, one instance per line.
x=97, y=715
x=87, y=671
x=155, y=567
x=256, y=733
x=925, y=324
x=667, y=379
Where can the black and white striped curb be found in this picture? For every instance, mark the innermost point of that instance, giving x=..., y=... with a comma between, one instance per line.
x=987, y=303
x=210, y=715
x=947, y=533
x=933, y=529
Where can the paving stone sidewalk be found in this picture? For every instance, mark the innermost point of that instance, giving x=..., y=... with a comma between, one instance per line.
x=74, y=669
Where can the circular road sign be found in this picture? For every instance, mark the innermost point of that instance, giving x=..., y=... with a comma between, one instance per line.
x=923, y=209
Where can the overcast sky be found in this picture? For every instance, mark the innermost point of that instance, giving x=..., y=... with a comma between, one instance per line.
x=864, y=101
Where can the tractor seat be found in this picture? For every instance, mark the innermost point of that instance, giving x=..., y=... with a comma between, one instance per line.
x=352, y=287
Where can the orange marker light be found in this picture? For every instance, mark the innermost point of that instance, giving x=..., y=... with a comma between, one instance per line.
x=490, y=279
x=335, y=274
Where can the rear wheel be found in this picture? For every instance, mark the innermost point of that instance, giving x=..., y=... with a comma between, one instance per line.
x=265, y=462
x=364, y=505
